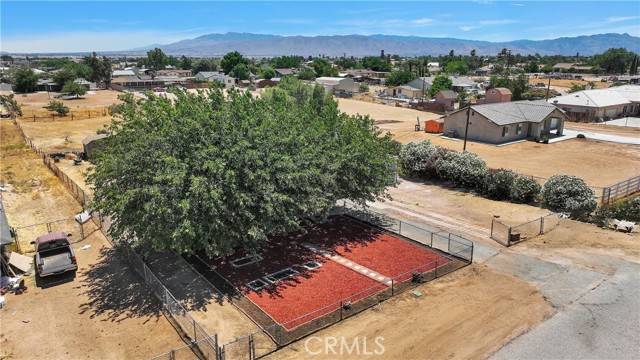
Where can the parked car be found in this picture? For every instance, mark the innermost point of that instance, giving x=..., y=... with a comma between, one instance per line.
x=54, y=254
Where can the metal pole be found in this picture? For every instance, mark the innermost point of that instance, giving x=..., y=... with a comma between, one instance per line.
x=466, y=128
x=548, y=87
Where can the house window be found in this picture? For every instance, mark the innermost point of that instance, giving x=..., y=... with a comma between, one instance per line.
x=519, y=129
x=505, y=131
x=473, y=113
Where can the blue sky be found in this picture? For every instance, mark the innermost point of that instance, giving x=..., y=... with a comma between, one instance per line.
x=56, y=26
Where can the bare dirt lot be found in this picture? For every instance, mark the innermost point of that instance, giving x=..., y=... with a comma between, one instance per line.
x=568, y=83
x=105, y=312
x=93, y=99
x=583, y=158
x=464, y=315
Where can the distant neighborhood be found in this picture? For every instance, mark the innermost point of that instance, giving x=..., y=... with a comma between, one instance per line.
x=516, y=96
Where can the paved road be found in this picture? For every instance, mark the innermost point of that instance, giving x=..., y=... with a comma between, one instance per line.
x=597, y=311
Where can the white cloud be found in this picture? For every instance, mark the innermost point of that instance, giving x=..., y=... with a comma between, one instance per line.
x=497, y=22
x=620, y=19
x=516, y=4
x=469, y=28
x=422, y=21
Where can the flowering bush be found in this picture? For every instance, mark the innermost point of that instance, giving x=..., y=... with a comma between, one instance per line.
x=416, y=157
x=463, y=169
x=524, y=190
x=565, y=193
x=498, y=184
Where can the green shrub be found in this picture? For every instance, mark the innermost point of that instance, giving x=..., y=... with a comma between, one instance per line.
x=628, y=209
x=463, y=169
x=415, y=157
x=498, y=184
x=58, y=107
x=570, y=194
x=524, y=190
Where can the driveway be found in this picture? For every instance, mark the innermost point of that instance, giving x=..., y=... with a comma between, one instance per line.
x=571, y=134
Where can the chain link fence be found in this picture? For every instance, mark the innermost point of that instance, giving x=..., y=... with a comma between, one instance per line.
x=509, y=235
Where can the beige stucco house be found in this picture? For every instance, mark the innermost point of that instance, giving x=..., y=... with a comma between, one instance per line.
x=596, y=104
x=505, y=122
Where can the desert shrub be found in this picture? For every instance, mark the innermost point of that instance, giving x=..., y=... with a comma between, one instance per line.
x=581, y=136
x=570, y=194
x=415, y=157
x=463, y=169
x=524, y=190
x=498, y=184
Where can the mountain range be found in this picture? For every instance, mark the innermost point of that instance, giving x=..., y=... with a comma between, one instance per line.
x=259, y=45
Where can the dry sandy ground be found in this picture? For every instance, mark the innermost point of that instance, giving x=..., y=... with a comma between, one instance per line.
x=568, y=83
x=583, y=158
x=105, y=312
x=62, y=135
x=464, y=315
x=98, y=99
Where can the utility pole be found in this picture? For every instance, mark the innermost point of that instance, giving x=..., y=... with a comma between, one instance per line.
x=466, y=128
x=548, y=87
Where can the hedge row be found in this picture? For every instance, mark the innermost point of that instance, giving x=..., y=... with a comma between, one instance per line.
x=562, y=193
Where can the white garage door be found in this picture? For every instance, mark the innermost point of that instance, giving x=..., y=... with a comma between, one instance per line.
x=554, y=123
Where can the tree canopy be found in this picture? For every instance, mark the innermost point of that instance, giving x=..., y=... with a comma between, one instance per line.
x=64, y=76
x=74, y=89
x=440, y=82
x=157, y=59
x=375, y=63
x=24, y=80
x=231, y=60
x=400, y=77
x=218, y=175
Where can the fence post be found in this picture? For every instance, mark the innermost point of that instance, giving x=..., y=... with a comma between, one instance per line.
x=472, y=244
x=251, y=347
x=541, y=225
x=82, y=231
x=400, y=227
x=215, y=344
x=392, y=287
x=172, y=354
x=431, y=241
x=492, y=221
x=509, y=237
x=195, y=333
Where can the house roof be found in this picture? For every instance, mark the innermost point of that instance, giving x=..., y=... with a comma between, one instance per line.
x=286, y=71
x=208, y=74
x=502, y=90
x=618, y=95
x=91, y=138
x=515, y=112
x=462, y=81
x=123, y=73
x=448, y=94
x=409, y=88
x=329, y=79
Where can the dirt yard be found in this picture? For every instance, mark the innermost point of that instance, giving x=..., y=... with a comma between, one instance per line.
x=91, y=100
x=568, y=83
x=583, y=158
x=104, y=313
x=464, y=315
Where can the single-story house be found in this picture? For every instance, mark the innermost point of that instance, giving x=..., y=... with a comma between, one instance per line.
x=135, y=83
x=592, y=105
x=505, y=122
x=336, y=84
x=434, y=126
x=227, y=80
x=571, y=67
x=87, y=84
x=285, y=72
x=447, y=98
x=48, y=85
x=174, y=72
x=422, y=83
x=405, y=91
x=462, y=83
x=91, y=142
x=496, y=95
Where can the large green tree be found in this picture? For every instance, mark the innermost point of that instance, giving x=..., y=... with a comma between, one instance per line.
x=24, y=80
x=218, y=175
x=157, y=59
x=440, y=82
x=64, y=76
x=285, y=62
x=74, y=89
x=400, y=77
x=231, y=60
x=240, y=71
x=375, y=63
x=323, y=68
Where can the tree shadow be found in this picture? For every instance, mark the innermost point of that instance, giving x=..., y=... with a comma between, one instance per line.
x=115, y=290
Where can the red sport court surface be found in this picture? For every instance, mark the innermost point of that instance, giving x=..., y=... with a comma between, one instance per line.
x=367, y=258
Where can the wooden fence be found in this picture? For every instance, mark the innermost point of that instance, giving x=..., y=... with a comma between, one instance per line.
x=621, y=189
